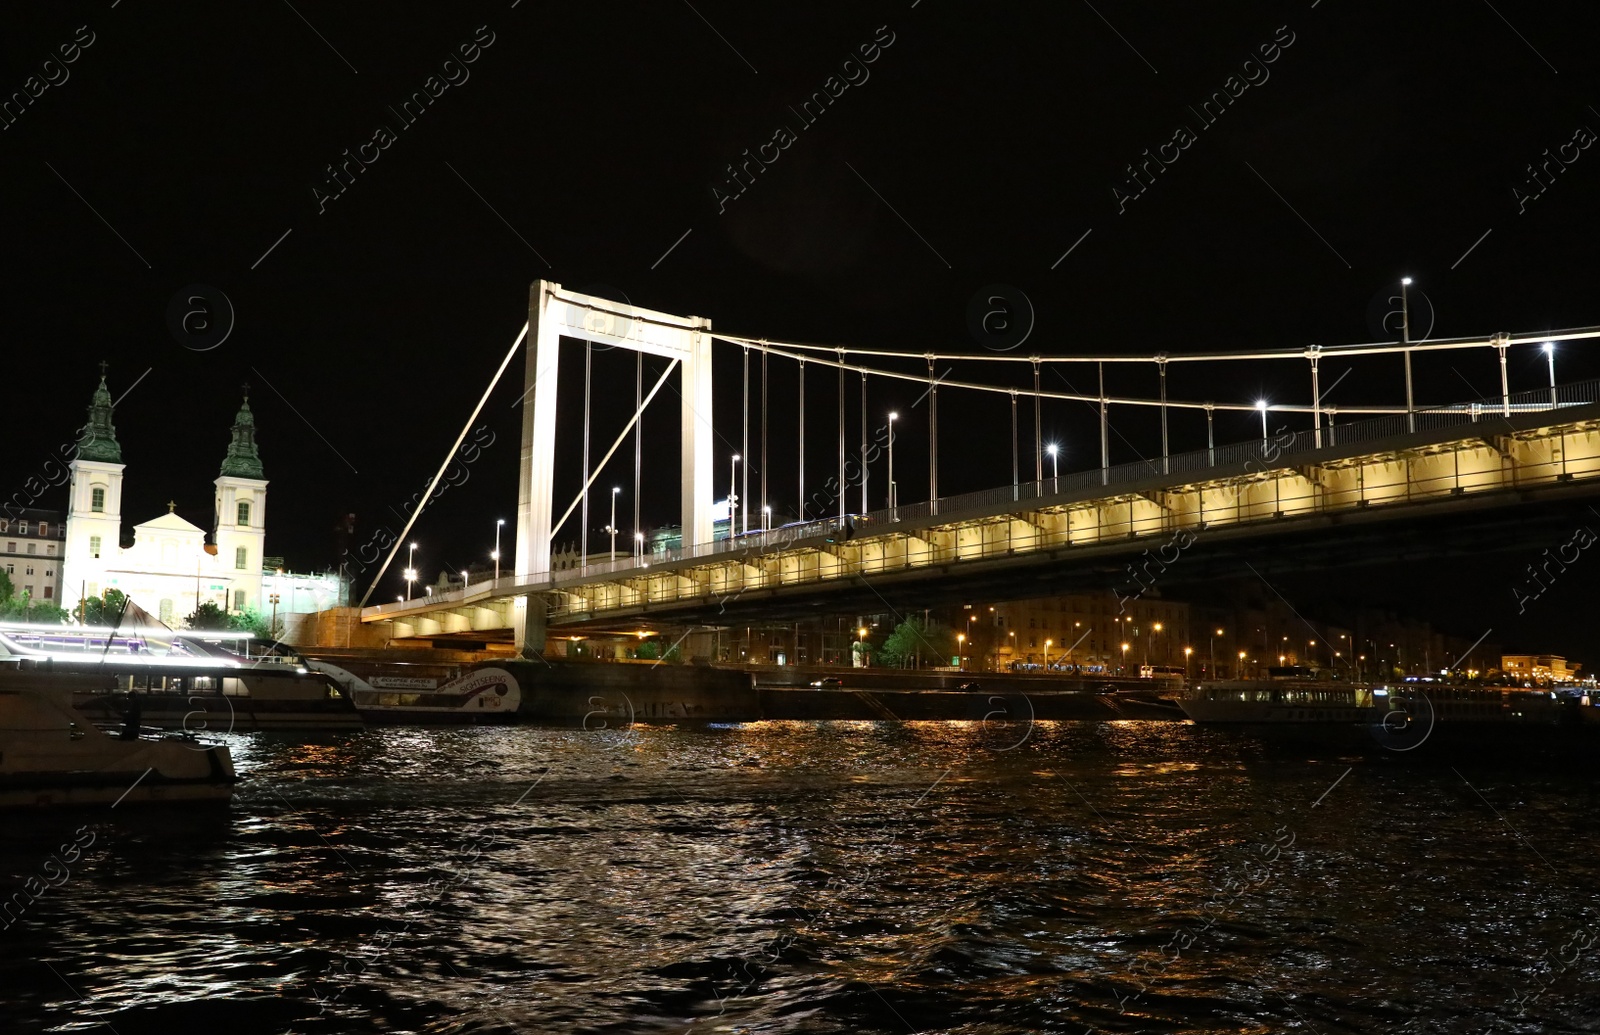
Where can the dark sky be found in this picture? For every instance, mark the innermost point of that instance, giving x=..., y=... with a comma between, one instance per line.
x=185, y=141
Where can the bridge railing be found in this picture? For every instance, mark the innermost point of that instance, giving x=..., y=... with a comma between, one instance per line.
x=1267, y=452
x=1084, y=484
x=1267, y=501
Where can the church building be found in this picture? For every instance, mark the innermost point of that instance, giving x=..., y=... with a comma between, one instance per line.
x=170, y=569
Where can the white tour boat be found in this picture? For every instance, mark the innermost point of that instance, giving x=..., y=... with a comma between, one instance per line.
x=53, y=754
x=397, y=694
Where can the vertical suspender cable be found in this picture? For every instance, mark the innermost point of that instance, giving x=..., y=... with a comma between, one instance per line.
x=1014, y=471
x=864, y=506
x=764, y=503
x=840, y=487
x=803, y=514
x=933, y=440
x=1105, y=438
x=638, y=440
x=1038, y=429
x=744, y=453
x=583, y=538
x=1161, y=364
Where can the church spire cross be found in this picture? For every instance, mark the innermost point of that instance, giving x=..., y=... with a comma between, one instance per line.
x=171, y=506
x=104, y=366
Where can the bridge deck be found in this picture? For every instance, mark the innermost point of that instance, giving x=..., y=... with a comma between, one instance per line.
x=1473, y=453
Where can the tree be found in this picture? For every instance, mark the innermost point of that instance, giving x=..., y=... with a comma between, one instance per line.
x=250, y=620
x=916, y=642
x=208, y=616
x=106, y=610
x=25, y=608
x=650, y=650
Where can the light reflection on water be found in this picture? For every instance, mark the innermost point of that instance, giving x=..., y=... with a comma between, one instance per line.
x=815, y=877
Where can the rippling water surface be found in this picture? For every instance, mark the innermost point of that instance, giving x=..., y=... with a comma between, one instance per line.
x=817, y=877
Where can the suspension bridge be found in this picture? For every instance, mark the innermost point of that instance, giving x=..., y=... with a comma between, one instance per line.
x=1348, y=475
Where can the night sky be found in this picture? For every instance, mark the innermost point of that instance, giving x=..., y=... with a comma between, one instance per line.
x=968, y=146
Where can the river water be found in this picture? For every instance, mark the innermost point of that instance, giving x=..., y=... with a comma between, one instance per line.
x=817, y=877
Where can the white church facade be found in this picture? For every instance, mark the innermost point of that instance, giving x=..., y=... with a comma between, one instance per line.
x=170, y=569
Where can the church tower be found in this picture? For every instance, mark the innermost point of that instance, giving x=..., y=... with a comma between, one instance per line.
x=241, y=514
x=94, y=506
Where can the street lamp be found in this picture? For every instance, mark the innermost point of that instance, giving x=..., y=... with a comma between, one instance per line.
x=274, y=626
x=1550, y=354
x=733, y=497
x=411, y=569
x=766, y=518
x=638, y=544
x=1240, y=673
x=612, y=528
x=1261, y=404
x=496, y=555
x=1213, y=668
x=1125, y=646
x=1047, y=653
x=892, y=494
x=1186, y=652
x=1055, y=470
x=1405, y=339
x=961, y=643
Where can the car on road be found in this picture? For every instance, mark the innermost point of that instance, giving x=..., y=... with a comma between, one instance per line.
x=827, y=682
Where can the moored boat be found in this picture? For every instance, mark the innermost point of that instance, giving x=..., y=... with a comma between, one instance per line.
x=398, y=695
x=52, y=753
x=1277, y=703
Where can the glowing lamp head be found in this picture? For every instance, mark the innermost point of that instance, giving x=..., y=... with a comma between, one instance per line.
x=1261, y=404
x=893, y=415
x=1052, y=449
x=1405, y=280
x=1549, y=346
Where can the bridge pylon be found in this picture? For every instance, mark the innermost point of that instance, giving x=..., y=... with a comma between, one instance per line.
x=554, y=313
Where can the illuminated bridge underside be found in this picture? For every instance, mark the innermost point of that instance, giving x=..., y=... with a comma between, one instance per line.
x=1008, y=548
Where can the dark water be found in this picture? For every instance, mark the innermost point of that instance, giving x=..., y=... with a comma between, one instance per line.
x=819, y=877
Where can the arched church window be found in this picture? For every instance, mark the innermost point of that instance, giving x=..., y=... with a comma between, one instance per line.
x=244, y=515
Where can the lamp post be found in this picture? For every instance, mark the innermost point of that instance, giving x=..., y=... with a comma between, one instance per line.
x=1241, y=664
x=961, y=651
x=1125, y=646
x=496, y=555
x=892, y=418
x=612, y=528
x=1213, y=668
x=274, y=626
x=1261, y=404
x=1405, y=339
x=638, y=545
x=411, y=569
x=1550, y=354
x=733, y=495
x=766, y=519
x=1047, y=653
x=1055, y=469
x=1187, y=651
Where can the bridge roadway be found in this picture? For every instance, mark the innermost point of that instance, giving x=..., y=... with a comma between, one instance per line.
x=1471, y=477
